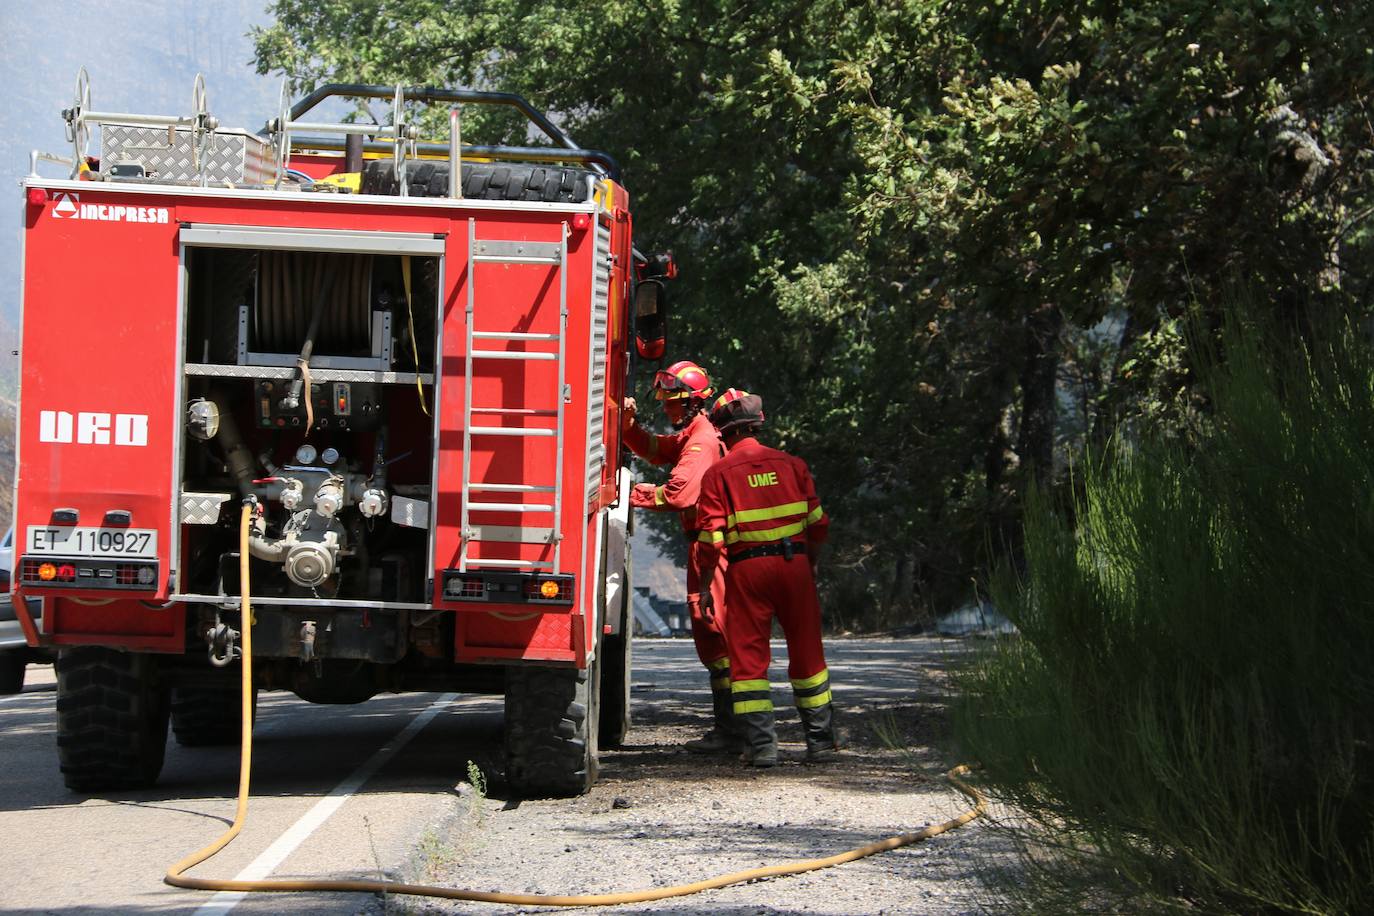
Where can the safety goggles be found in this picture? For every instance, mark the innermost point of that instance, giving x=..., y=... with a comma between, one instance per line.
x=668, y=387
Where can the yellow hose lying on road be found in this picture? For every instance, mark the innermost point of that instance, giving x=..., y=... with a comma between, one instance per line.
x=176, y=874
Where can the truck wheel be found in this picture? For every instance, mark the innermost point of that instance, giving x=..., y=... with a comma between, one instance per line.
x=12, y=672
x=111, y=719
x=208, y=716
x=551, y=731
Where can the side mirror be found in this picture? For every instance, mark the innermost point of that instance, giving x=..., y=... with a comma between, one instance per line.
x=651, y=303
x=651, y=319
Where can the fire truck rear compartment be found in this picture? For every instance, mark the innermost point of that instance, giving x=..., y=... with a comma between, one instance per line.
x=341, y=464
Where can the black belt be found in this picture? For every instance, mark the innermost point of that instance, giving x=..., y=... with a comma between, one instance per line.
x=784, y=549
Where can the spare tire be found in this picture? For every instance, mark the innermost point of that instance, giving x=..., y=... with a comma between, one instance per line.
x=482, y=181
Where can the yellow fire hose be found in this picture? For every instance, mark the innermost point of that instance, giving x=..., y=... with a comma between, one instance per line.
x=176, y=874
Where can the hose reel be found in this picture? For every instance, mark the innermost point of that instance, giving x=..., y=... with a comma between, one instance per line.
x=289, y=282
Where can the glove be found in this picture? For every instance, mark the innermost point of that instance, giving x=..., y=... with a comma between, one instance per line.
x=627, y=413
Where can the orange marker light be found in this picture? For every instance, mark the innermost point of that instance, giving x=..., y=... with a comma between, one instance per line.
x=549, y=589
x=47, y=572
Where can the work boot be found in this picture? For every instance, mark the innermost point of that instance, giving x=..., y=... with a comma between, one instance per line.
x=715, y=741
x=818, y=724
x=760, y=739
x=724, y=736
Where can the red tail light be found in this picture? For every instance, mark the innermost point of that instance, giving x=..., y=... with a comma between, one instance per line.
x=92, y=573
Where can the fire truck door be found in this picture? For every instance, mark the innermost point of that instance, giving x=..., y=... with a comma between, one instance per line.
x=98, y=388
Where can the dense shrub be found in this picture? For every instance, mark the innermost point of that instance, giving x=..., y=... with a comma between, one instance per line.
x=1187, y=717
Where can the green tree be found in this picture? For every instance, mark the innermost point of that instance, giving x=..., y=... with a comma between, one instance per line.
x=903, y=223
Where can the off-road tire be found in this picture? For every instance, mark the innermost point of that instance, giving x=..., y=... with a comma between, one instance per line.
x=112, y=713
x=551, y=731
x=12, y=665
x=208, y=716
x=482, y=181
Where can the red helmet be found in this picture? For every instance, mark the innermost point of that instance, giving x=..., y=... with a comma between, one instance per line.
x=683, y=379
x=736, y=409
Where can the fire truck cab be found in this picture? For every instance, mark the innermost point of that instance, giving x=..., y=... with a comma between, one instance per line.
x=406, y=358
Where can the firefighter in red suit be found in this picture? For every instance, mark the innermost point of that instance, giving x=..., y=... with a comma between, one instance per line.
x=695, y=445
x=759, y=509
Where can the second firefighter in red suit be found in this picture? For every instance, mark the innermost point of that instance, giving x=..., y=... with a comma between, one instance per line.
x=695, y=445
x=758, y=507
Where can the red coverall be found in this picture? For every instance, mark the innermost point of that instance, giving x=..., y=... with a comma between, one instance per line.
x=691, y=450
x=759, y=506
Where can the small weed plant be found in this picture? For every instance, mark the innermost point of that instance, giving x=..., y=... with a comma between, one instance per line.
x=477, y=813
x=433, y=855
x=1187, y=718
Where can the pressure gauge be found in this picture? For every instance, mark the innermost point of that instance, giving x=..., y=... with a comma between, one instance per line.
x=329, y=456
x=306, y=454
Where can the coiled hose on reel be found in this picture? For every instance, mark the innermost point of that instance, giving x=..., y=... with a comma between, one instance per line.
x=289, y=285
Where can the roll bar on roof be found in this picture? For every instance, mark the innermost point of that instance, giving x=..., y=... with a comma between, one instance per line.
x=291, y=118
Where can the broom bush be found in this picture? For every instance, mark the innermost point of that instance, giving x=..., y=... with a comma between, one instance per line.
x=1186, y=718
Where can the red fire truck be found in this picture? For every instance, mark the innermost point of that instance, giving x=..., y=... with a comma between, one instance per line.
x=408, y=358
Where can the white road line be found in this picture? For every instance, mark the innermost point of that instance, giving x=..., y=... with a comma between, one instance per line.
x=29, y=695
x=274, y=855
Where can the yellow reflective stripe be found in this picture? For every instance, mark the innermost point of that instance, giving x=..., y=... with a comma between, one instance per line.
x=658, y=496
x=814, y=680
x=711, y=537
x=750, y=686
x=768, y=534
x=819, y=699
x=747, y=706
x=718, y=664
x=763, y=515
x=815, y=515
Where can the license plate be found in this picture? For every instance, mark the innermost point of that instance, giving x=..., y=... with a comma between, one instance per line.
x=133, y=543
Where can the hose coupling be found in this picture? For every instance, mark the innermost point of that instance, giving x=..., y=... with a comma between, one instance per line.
x=329, y=498
x=373, y=503
x=292, y=494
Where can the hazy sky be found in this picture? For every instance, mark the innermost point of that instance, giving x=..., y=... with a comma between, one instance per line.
x=142, y=56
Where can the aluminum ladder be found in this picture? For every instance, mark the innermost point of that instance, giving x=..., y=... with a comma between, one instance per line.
x=488, y=251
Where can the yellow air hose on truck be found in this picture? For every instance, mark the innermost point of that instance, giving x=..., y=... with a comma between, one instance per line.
x=176, y=875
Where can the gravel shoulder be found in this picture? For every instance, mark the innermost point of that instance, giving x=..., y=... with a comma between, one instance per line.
x=660, y=816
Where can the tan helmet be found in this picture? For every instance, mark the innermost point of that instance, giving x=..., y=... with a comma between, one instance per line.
x=737, y=410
